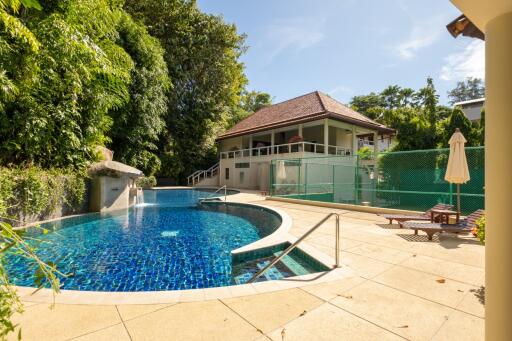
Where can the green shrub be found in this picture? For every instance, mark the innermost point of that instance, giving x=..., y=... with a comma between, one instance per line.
x=365, y=153
x=479, y=231
x=35, y=191
x=146, y=182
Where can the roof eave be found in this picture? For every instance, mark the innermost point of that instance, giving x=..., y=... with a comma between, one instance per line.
x=313, y=117
x=309, y=118
x=379, y=128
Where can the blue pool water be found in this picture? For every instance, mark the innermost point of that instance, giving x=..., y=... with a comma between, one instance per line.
x=168, y=243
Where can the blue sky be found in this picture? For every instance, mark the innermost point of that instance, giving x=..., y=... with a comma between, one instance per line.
x=349, y=47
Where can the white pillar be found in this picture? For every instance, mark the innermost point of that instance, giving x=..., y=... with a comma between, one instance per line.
x=498, y=182
x=375, y=143
x=250, y=146
x=300, y=130
x=326, y=136
x=354, y=141
x=272, y=141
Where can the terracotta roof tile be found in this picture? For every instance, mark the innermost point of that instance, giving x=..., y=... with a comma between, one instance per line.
x=315, y=105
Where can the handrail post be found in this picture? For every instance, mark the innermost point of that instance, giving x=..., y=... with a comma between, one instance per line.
x=337, y=246
x=225, y=188
x=298, y=241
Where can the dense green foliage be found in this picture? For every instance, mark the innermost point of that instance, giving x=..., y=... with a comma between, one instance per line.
x=34, y=191
x=146, y=182
x=202, y=55
x=250, y=102
x=470, y=88
x=64, y=90
x=139, y=123
x=152, y=80
x=420, y=122
x=155, y=81
x=365, y=153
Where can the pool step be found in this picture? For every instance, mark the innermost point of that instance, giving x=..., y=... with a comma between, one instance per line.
x=293, y=264
x=297, y=268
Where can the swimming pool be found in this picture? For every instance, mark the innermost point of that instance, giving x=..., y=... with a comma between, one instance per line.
x=168, y=243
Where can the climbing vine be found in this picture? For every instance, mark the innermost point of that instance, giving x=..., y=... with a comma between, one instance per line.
x=35, y=191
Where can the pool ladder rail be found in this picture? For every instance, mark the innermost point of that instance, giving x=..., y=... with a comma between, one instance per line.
x=298, y=241
x=225, y=188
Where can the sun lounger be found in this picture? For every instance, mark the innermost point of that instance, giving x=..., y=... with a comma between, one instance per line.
x=400, y=218
x=465, y=225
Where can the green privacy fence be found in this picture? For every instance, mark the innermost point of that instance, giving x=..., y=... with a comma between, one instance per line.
x=412, y=180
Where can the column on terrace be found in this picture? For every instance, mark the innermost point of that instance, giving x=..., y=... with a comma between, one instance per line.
x=272, y=141
x=326, y=136
x=354, y=141
x=250, y=146
x=498, y=182
x=375, y=143
x=299, y=132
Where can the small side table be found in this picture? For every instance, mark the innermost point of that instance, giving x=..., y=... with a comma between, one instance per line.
x=444, y=215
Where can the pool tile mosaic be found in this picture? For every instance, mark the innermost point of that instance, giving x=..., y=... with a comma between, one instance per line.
x=166, y=244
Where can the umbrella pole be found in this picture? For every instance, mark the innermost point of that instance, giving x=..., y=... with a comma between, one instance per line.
x=458, y=198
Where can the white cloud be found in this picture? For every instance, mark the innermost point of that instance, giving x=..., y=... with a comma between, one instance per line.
x=295, y=34
x=470, y=62
x=423, y=34
x=418, y=39
x=341, y=91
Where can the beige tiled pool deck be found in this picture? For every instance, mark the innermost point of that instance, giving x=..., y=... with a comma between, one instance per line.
x=395, y=286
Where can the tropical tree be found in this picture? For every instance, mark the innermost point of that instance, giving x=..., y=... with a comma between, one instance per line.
x=470, y=88
x=202, y=55
x=91, y=76
x=414, y=130
x=458, y=119
x=15, y=28
x=370, y=105
x=65, y=89
x=138, y=124
x=481, y=127
x=250, y=102
x=420, y=122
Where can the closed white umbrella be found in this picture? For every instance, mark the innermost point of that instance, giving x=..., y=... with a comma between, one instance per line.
x=457, y=171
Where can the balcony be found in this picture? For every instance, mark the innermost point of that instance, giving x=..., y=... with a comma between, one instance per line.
x=288, y=148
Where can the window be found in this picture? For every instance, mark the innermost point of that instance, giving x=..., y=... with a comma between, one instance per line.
x=241, y=177
x=227, y=174
x=242, y=165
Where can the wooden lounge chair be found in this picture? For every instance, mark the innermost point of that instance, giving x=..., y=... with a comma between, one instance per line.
x=465, y=225
x=400, y=218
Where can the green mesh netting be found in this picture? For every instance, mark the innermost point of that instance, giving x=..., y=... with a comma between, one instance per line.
x=412, y=180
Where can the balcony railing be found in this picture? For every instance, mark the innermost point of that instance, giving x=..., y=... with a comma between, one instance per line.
x=365, y=143
x=297, y=147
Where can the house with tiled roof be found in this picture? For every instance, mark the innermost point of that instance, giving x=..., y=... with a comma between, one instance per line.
x=311, y=125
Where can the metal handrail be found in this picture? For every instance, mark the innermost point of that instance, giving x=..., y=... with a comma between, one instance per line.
x=298, y=241
x=225, y=194
x=204, y=173
x=192, y=176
